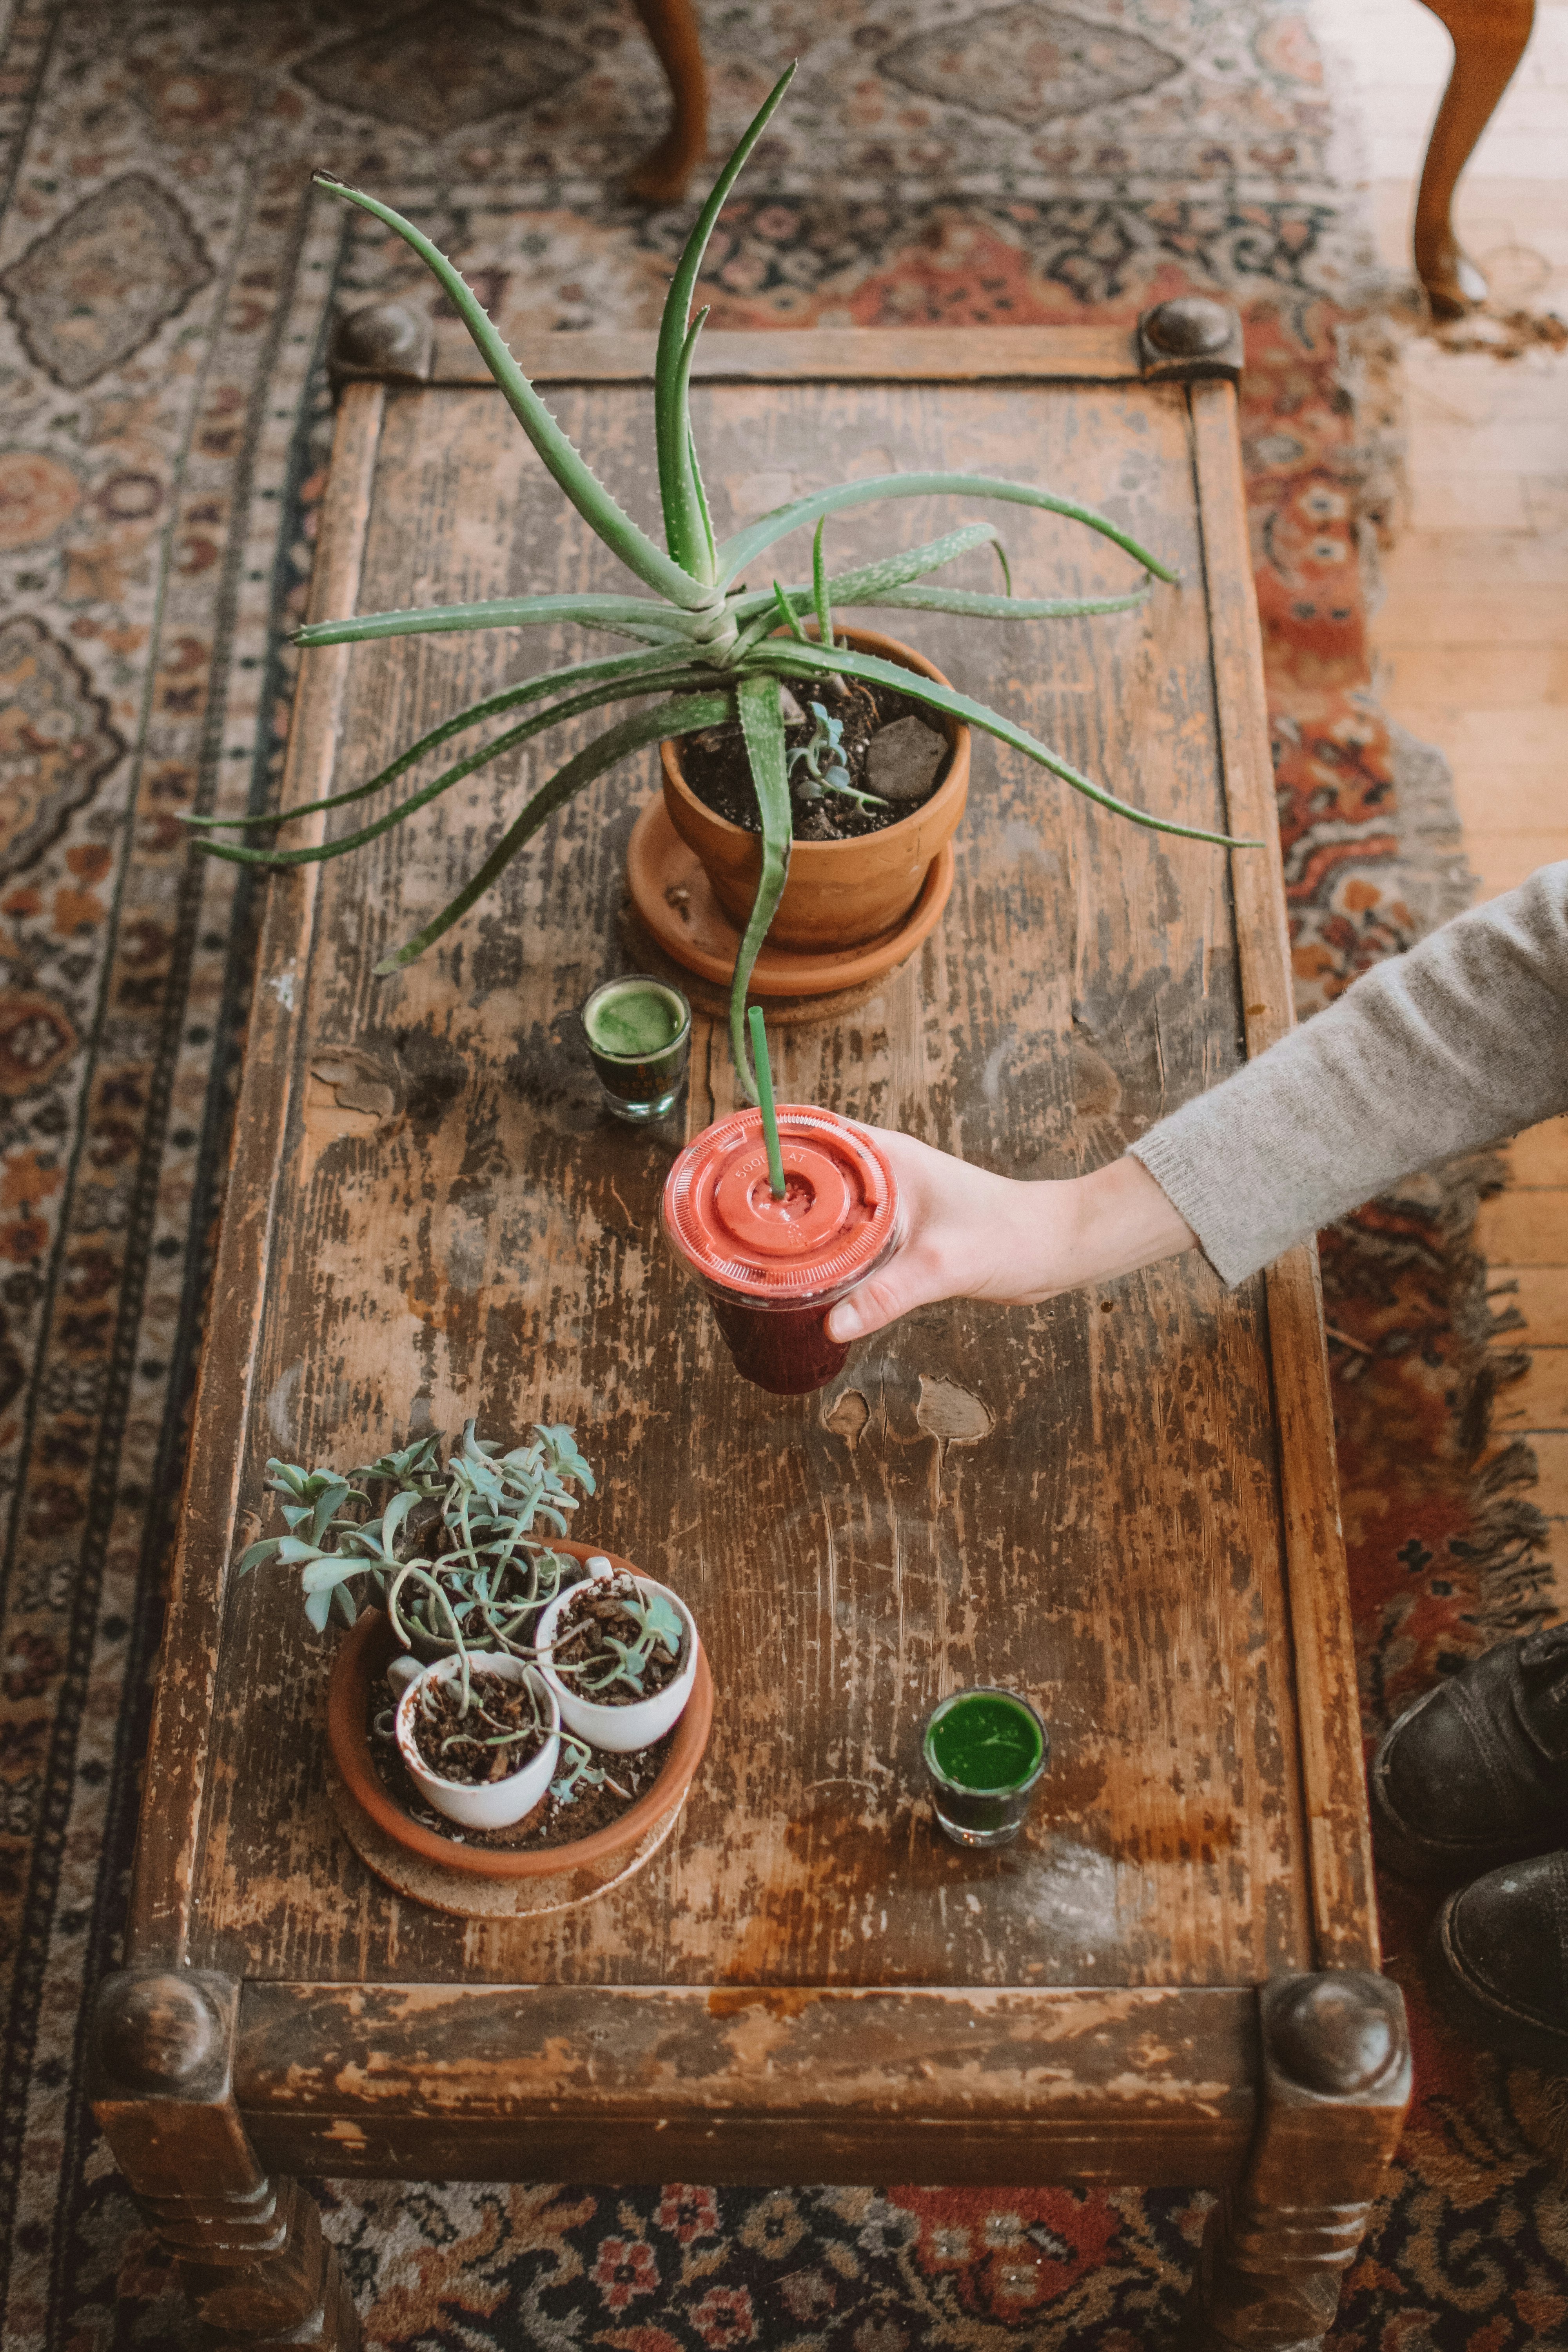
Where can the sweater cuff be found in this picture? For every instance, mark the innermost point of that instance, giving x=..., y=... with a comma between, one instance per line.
x=1184, y=1173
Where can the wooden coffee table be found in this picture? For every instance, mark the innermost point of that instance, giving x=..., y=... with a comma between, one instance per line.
x=1122, y=1503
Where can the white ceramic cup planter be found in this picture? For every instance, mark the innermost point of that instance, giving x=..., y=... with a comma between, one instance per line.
x=618, y=1728
x=487, y=1804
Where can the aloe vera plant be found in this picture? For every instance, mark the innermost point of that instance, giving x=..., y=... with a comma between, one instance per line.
x=711, y=648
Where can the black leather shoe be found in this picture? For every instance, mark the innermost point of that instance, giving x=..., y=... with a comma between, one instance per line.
x=1498, y=1960
x=1477, y=1772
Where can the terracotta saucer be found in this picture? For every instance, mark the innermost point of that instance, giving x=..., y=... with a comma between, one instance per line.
x=673, y=896
x=487, y=1882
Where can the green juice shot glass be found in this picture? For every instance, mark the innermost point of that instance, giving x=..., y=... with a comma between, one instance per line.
x=984, y=1750
x=639, y=1035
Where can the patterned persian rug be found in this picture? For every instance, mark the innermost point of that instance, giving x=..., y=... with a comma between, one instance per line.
x=166, y=277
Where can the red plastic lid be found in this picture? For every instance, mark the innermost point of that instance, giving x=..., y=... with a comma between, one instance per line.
x=835, y=1218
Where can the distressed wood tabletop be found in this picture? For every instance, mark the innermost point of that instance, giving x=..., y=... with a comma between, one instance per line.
x=1120, y=1503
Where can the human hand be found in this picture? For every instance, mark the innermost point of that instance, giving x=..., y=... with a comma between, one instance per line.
x=968, y=1233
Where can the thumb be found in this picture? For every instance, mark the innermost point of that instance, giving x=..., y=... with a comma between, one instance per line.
x=878, y=1301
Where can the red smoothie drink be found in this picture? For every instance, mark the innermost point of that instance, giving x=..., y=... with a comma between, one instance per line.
x=773, y=1268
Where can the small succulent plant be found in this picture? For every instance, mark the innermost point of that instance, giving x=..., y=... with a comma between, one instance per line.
x=713, y=650
x=820, y=759
x=581, y=1772
x=595, y=1658
x=451, y=1551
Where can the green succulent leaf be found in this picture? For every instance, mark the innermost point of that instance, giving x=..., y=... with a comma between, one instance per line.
x=686, y=531
x=328, y=1503
x=869, y=584
x=322, y=1575
x=623, y=615
x=701, y=496
x=571, y=470
x=1002, y=608
x=737, y=553
x=813, y=661
x=681, y=717
x=762, y=726
x=293, y=1550
x=787, y=614
x=663, y=1621
x=613, y=691
x=819, y=595
x=565, y=1460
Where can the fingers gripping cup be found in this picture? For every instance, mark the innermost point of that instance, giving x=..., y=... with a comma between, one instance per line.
x=773, y=1268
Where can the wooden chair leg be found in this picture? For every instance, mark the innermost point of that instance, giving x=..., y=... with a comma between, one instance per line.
x=1334, y=2088
x=1489, y=38
x=661, y=177
x=248, y=2250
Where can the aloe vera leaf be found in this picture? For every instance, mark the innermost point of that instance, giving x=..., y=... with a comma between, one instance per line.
x=702, y=500
x=819, y=595
x=1000, y=608
x=593, y=501
x=787, y=614
x=686, y=526
x=762, y=724
x=811, y=661
x=746, y=545
x=870, y=581
x=681, y=716
x=683, y=529
x=531, y=689
x=632, y=614
x=318, y=852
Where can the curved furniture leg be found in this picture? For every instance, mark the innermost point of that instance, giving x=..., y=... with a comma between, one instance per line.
x=1333, y=2086
x=671, y=26
x=1489, y=37
x=248, y=2251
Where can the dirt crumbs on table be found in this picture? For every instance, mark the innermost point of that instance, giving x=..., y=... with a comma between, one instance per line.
x=552, y=1824
x=887, y=744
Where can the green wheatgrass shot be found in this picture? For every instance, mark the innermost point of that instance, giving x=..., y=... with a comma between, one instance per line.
x=635, y=1023
x=984, y=1741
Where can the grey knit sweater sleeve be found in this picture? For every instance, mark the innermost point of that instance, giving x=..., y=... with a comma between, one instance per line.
x=1459, y=1041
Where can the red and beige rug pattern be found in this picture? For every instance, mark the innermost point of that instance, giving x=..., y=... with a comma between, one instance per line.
x=165, y=280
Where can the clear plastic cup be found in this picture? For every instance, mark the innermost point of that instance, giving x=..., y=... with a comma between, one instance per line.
x=772, y=1269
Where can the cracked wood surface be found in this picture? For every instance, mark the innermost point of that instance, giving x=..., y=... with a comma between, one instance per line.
x=1081, y=1499
x=769, y=2085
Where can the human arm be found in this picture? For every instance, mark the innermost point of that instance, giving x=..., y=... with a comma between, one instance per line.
x=1461, y=1041
x=1453, y=1045
x=972, y=1235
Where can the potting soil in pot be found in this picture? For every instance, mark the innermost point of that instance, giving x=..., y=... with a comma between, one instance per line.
x=889, y=745
x=500, y=1732
x=552, y=1824
x=596, y=1610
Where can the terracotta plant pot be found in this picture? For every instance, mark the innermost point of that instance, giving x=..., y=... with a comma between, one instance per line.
x=839, y=893
x=498, y=1880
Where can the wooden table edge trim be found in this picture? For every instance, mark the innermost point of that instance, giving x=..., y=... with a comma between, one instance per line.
x=471, y=2057
x=168, y=1857
x=842, y=354
x=1333, y=1782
